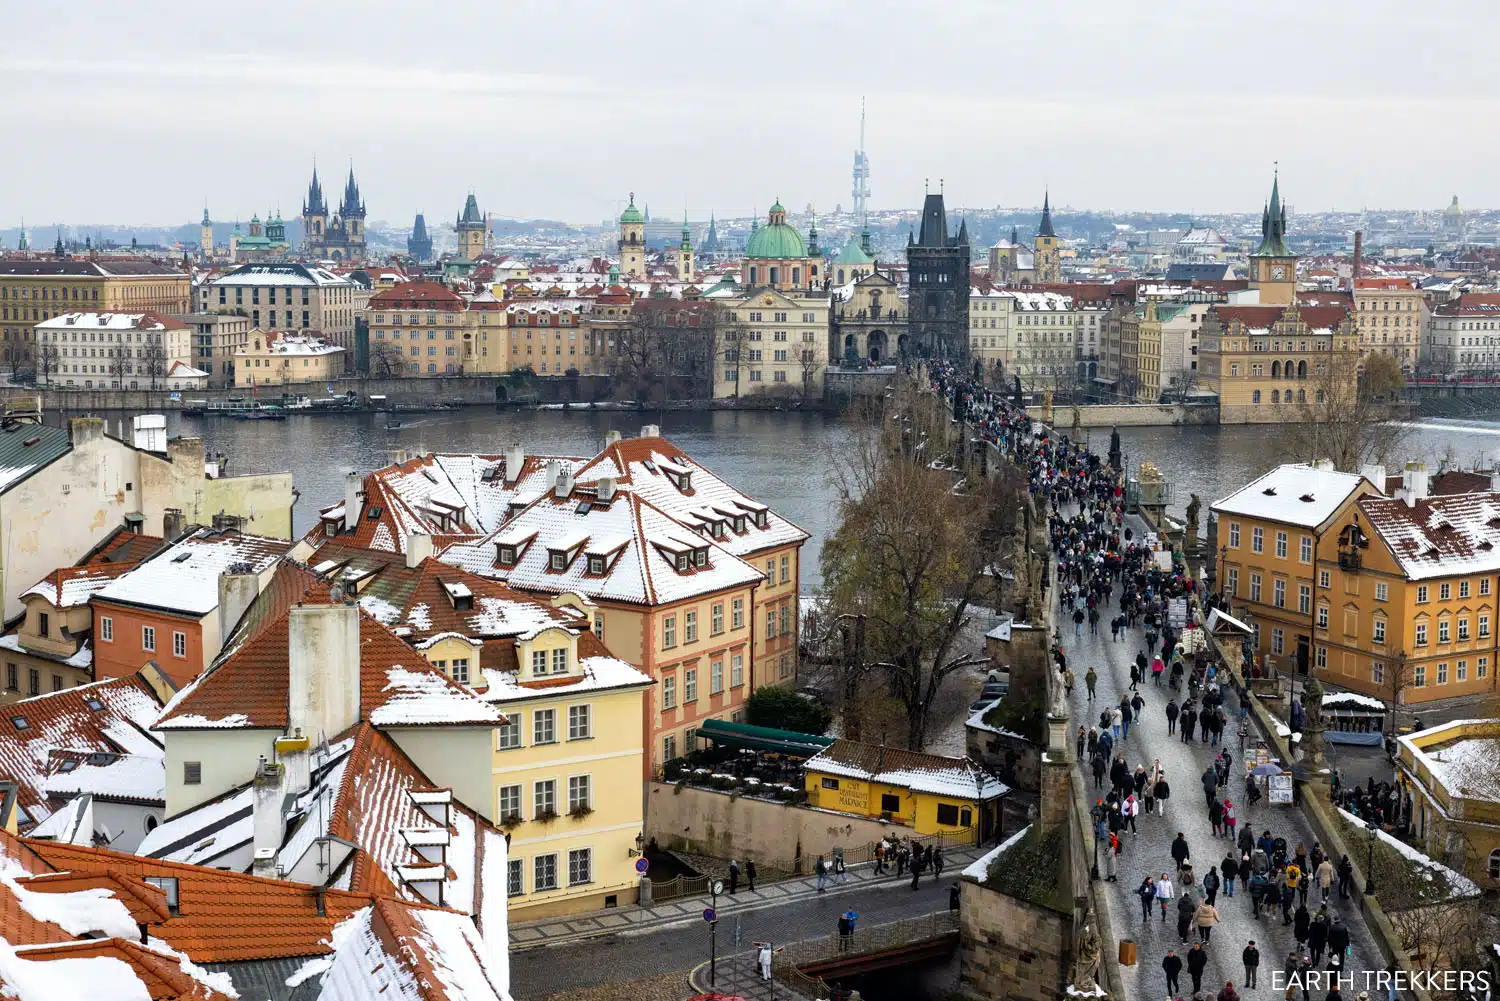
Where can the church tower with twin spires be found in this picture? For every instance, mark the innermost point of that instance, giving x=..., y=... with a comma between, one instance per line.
x=342, y=237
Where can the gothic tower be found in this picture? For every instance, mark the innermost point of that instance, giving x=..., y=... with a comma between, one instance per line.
x=1045, y=251
x=1273, y=266
x=632, y=241
x=470, y=227
x=206, y=236
x=938, y=277
x=352, y=212
x=685, y=253
x=419, y=244
x=314, y=214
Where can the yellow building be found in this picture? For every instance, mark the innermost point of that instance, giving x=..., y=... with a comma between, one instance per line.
x=777, y=341
x=928, y=793
x=1389, y=313
x=1270, y=533
x=1406, y=611
x=1268, y=364
x=275, y=360
x=425, y=328
x=546, y=335
x=36, y=289
x=1450, y=772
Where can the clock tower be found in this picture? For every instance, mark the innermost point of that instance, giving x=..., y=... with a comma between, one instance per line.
x=1273, y=266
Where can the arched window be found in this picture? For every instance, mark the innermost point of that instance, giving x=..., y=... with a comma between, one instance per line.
x=1276, y=370
x=1302, y=370
x=1301, y=396
x=1275, y=396
x=1495, y=864
x=1289, y=367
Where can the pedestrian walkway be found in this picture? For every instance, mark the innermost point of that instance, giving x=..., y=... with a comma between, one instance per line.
x=1148, y=852
x=627, y=920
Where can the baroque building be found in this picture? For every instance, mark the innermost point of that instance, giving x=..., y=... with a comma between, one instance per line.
x=938, y=278
x=632, y=243
x=777, y=257
x=341, y=237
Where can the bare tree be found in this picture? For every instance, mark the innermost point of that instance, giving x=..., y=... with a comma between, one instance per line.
x=117, y=367
x=154, y=361
x=1347, y=414
x=910, y=556
x=808, y=363
x=48, y=359
x=670, y=350
x=387, y=359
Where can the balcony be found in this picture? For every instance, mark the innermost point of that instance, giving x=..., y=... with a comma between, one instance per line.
x=1351, y=560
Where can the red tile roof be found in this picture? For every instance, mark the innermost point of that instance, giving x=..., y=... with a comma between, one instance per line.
x=1384, y=284
x=417, y=295
x=162, y=975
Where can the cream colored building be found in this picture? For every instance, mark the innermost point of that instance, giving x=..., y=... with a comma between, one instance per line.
x=1045, y=325
x=1390, y=314
x=781, y=346
x=867, y=323
x=547, y=335
x=216, y=337
x=425, y=328
x=991, y=310
x=110, y=350
x=279, y=359
x=290, y=297
x=1267, y=362
x=1463, y=336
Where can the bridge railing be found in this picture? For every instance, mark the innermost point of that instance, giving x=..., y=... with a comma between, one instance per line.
x=865, y=941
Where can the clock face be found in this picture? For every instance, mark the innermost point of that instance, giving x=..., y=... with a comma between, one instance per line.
x=1278, y=273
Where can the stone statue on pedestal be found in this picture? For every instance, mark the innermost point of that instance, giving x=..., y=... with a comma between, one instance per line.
x=1312, y=725
x=1086, y=958
x=1116, y=460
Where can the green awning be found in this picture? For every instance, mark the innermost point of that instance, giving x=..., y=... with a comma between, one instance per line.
x=763, y=738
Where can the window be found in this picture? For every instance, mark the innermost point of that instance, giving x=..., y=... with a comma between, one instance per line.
x=669, y=632
x=1255, y=587
x=34, y=682
x=513, y=884
x=1484, y=626
x=1461, y=671
x=890, y=803
x=690, y=627
x=737, y=616
x=1378, y=635
x=1281, y=545
x=1463, y=589
x=669, y=692
x=107, y=629
x=1278, y=593
x=510, y=802
x=544, y=726
x=784, y=666
x=1484, y=585
x=1377, y=673
x=829, y=783
x=580, y=726
x=560, y=660
x=716, y=677
x=1463, y=630
x=538, y=663
x=43, y=624
x=1234, y=535
x=1306, y=552
x=1442, y=674
x=1482, y=667
x=580, y=866
x=461, y=670
x=785, y=569
x=544, y=798
x=10, y=678
x=1232, y=578
x=1421, y=634
x=947, y=815
x=1382, y=591
x=1277, y=638
x=1445, y=591
x=1323, y=578
x=669, y=747
x=179, y=644
x=1421, y=594
x=690, y=685
x=578, y=793
x=508, y=737
x=598, y=625
x=736, y=670
x=1257, y=540
x=770, y=572
x=192, y=773
x=148, y=637
x=1443, y=631
x=1322, y=659
x=1322, y=616
x=1304, y=599
x=544, y=873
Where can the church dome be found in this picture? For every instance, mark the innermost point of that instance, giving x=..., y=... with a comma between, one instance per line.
x=631, y=213
x=853, y=253
x=1454, y=209
x=776, y=239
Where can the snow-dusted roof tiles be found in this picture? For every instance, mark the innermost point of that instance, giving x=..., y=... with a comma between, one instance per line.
x=184, y=578
x=1293, y=494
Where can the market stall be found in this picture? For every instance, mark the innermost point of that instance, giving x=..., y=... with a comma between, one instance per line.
x=1351, y=718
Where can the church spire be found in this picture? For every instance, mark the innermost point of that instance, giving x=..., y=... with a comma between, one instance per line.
x=1273, y=224
x=1045, y=229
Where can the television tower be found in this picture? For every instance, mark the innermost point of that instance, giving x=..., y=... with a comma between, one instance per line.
x=861, y=169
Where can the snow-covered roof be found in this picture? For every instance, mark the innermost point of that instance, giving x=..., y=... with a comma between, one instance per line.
x=1461, y=885
x=137, y=777
x=282, y=274
x=73, y=586
x=294, y=344
x=146, y=320
x=1292, y=494
x=960, y=778
x=1352, y=700
x=1440, y=536
x=597, y=674
x=1042, y=302
x=185, y=577
x=1463, y=763
x=979, y=869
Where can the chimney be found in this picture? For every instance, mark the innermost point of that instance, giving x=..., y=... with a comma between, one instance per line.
x=1414, y=483
x=515, y=458
x=172, y=523
x=1325, y=465
x=418, y=548
x=564, y=481
x=651, y=431
x=353, y=483
x=605, y=489
x=610, y=438
x=1359, y=245
x=1375, y=474
x=323, y=670
x=82, y=430
x=268, y=824
x=398, y=456
x=238, y=587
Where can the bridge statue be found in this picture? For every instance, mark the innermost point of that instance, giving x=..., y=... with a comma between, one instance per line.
x=1190, y=532
x=1086, y=954
x=1312, y=726
x=1116, y=460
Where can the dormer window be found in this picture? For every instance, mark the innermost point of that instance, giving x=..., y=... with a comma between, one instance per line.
x=700, y=557
x=506, y=555
x=596, y=564
x=460, y=596
x=739, y=523
x=557, y=559
x=762, y=519
x=682, y=561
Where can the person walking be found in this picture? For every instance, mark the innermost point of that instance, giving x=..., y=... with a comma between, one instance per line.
x=1206, y=917
x=1116, y=719
x=1172, y=712
x=916, y=867
x=1210, y=782
x=1112, y=858
x=1316, y=937
x=1146, y=893
x=1197, y=961
x=1162, y=792
x=1216, y=816
x=1229, y=818
x=1090, y=679
x=1187, y=909
x=1171, y=965
x=902, y=855
x=1325, y=874
x=1338, y=943
x=1185, y=723
x=937, y=863
x=1164, y=894
x=1211, y=884
x=1346, y=877
x=1180, y=851
x=846, y=929
x=1230, y=869
x=1301, y=926
x=1250, y=959
x=1097, y=767
x=839, y=872
x=734, y=877
x=763, y=957
x=1068, y=684
x=750, y=874
x=820, y=869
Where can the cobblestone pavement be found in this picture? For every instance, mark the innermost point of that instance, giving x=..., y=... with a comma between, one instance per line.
x=662, y=987
x=1149, y=851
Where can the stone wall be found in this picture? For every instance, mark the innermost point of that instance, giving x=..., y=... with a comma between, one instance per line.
x=1014, y=758
x=1011, y=949
x=707, y=822
x=1094, y=415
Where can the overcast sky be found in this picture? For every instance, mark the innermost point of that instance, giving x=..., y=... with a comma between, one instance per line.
x=138, y=112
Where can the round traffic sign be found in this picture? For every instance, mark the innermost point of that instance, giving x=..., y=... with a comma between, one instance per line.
x=709, y=914
x=641, y=865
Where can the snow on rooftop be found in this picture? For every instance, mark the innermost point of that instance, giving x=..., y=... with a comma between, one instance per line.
x=426, y=697
x=1352, y=700
x=979, y=869
x=598, y=674
x=79, y=912
x=1294, y=494
x=1460, y=884
x=185, y=577
x=98, y=978
x=1465, y=765
x=130, y=776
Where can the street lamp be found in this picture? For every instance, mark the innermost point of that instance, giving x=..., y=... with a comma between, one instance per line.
x=1219, y=578
x=715, y=887
x=1370, y=859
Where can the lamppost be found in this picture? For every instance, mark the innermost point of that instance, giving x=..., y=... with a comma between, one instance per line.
x=1370, y=859
x=1219, y=578
x=715, y=887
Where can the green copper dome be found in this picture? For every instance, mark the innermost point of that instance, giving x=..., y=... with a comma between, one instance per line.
x=853, y=253
x=631, y=213
x=776, y=239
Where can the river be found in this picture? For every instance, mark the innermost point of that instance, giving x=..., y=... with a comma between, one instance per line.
x=780, y=458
